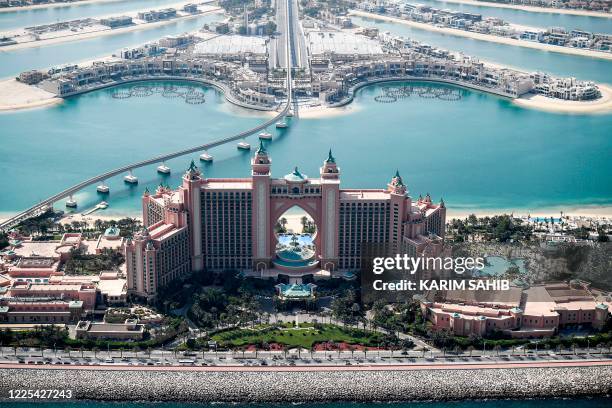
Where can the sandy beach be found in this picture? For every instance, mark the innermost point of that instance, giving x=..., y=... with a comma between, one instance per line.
x=591, y=211
x=52, y=5
x=602, y=105
x=14, y=95
x=534, y=9
x=487, y=37
x=106, y=32
x=319, y=112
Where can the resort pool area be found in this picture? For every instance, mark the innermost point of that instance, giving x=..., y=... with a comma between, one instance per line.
x=304, y=239
x=497, y=265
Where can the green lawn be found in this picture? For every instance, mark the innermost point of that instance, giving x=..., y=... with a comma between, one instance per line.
x=305, y=336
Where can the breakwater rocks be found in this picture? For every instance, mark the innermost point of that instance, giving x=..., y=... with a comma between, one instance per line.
x=319, y=386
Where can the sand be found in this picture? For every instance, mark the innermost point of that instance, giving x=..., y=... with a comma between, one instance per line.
x=487, y=37
x=107, y=31
x=14, y=95
x=534, y=9
x=592, y=211
x=602, y=105
x=319, y=112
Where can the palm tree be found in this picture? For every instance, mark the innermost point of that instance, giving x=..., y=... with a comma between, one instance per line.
x=136, y=350
x=95, y=351
x=471, y=350
x=67, y=350
x=81, y=349
x=497, y=349
x=149, y=351
x=424, y=350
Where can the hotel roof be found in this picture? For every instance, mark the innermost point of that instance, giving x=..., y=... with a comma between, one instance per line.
x=341, y=43
x=232, y=44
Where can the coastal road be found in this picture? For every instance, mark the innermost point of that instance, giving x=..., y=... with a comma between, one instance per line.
x=322, y=368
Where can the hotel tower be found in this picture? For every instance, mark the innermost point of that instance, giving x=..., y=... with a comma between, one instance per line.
x=219, y=224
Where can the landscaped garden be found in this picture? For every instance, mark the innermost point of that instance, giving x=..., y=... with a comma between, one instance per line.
x=305, y=336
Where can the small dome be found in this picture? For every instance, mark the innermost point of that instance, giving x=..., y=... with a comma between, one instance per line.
x=296, y=176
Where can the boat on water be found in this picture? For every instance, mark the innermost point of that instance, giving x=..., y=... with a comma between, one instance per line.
x=163, y=169
x=70, y=203
x=243, y=146
x=103, y=205
x=206, y=157
x=281, y=125
x=265, y=136
x=289, y=114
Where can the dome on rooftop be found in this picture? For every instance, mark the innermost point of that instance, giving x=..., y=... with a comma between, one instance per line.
x=296, y=176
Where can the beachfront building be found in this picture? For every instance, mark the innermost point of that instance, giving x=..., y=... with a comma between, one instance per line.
x=229, y=224
x=537, y=311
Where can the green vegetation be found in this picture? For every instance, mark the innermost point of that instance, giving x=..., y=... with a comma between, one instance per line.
x=57, y=336
x=306, y=336
x=86, y=264
x=3, y=240
x=499, y=228
x=347, y=309
x=398, y=318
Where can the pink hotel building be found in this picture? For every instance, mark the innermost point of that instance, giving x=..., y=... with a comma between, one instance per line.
x=228, y=224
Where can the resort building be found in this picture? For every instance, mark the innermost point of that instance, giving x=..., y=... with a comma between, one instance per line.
x=220, y=224
x=538, y=311
x=130, y=330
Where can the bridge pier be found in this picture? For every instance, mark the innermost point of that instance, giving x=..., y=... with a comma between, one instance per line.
x=206, y=157
x=71, y=203
x=130, y=178
x=163, y=169
x=103, y=188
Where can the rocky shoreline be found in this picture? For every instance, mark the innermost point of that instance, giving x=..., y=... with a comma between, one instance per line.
x=308, y=386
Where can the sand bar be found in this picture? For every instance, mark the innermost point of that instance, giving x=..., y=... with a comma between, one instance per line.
x=533, y=9
x=487, y=37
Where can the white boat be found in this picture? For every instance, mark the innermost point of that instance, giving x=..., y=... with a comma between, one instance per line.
x=281, y=125
x=206, y=157
x=163, y=169
x=131, y=179
x=103, y=205
x=265, y=136
x=103, y=188
x=70, y=203
x=243, y=146
x=289, y=114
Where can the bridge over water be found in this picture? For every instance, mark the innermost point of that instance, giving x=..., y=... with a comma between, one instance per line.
x=44, y=204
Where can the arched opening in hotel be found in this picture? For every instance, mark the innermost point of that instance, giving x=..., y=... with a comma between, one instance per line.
x=295, y=232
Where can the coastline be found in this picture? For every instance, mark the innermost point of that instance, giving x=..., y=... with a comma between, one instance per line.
x=105, y=32
x=534, y=9
x=53, y=5
x=324, y=384
x=17, y=96
x=602, y=105
x=486, y=37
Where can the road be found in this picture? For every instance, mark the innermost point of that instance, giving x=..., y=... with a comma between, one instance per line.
x=287, y=17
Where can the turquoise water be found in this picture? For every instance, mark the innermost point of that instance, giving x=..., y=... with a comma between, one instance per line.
x=25, y=18
x=496, y=265
x=592, y=24
x=577, y=403
x=16, y=61
x=481, y=152
x=519, y=57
